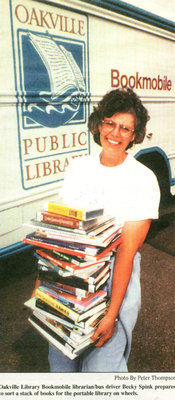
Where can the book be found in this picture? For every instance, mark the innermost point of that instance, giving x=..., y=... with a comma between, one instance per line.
x=96, y=278
x=51, y=337
x=82, y=327
x=112, y=246
x=97, y=275
x=46, y=265
x=58, y=228
x=57, y=305
x=40, y=306
x=58, y=262
x=84, y=252
x=61, y=344
x=73, y=338
x=79, y=283
x=70, y=300
x=55, y=264
x=94, y=226
x=73, y=268
x=80, y=214
x=67, y=247
x=65, y=288
x=101, y=282
x=56, y=327
x=83, y=273
x=102, y=238
x=80, y=261
x=67, y=311
x=84, y=324
x=62, y=220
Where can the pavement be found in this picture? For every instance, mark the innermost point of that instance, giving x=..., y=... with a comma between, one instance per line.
x=153, y=349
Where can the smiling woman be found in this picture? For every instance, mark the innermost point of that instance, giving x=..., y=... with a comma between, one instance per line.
x=128, y=191
x=123, y=101
x=115, y=136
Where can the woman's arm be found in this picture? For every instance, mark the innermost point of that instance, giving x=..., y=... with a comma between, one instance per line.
x=133, y=236
x=37, y=284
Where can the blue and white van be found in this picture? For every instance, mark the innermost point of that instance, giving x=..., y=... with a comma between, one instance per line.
x=58, y=58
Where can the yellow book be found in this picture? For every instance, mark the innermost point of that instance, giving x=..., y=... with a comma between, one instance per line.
x=67, y=311
x=80, y=214
x=57, y=305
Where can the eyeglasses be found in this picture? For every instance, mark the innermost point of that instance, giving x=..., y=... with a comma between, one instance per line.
x=109, y=126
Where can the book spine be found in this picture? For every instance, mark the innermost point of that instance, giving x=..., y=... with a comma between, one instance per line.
x=57, y=305
x=64, y=210
x=49, y=265
x=64, y=298
x=51, y=246
x=67, y=257
x=92, y=311
x=53, y=277
x=44, y=267
x=56, y=262
x=43, y=255
x=102, y=281
x=79, y=293
x=60, y=220
x=98, y=275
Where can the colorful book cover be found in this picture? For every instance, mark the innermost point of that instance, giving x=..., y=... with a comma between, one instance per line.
x=84, y=252
x=67, y=311
x=80, y=214
x=73, y=301
x=63, y=220
x=56, y=261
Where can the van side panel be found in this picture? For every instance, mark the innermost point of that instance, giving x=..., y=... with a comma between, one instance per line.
x=57, y=62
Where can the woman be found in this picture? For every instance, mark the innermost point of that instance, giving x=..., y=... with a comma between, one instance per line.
x=129, y=191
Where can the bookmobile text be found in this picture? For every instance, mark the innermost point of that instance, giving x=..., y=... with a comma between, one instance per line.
x=142, y=386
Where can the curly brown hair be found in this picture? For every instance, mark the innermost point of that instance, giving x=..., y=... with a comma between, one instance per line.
x=119, y=100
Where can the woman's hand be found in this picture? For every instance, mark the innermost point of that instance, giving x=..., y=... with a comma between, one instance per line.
x=104, y=331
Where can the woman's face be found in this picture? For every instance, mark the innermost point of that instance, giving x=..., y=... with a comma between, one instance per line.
x=116, y=133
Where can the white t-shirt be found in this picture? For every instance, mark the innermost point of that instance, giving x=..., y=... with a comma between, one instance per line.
x=129, y=191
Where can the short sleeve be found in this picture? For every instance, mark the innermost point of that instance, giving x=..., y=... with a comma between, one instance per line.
x=144, y=199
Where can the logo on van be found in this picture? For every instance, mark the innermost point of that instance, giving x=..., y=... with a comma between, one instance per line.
x=52, y=80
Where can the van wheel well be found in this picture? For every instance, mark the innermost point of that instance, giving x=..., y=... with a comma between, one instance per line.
x=156, y=162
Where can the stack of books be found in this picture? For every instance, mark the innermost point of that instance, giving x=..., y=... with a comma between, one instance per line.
x=73, y=250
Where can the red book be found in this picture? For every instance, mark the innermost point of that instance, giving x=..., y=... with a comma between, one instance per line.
x=65, y=264
x=63, y=220
x=76, y=252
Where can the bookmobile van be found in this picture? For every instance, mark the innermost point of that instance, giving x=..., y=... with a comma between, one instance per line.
x=58, y=59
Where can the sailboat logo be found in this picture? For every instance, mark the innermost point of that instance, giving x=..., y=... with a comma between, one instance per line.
x=54, y=85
